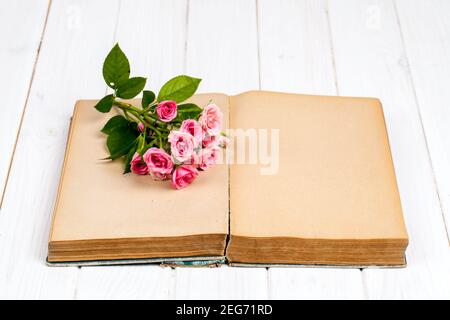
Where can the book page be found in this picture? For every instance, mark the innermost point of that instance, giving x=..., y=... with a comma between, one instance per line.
x=97, y=201
x=329, y=174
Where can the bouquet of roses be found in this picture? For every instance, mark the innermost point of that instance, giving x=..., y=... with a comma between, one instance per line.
x=163, y=137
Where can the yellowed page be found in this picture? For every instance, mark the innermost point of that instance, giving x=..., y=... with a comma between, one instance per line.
x=96, y=201
x=335, y=180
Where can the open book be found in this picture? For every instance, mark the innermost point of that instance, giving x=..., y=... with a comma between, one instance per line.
x=319, y=190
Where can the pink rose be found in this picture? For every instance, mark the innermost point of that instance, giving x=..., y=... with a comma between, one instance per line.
x=141, y=126
x=167, y=110
x=183, y=176
x=159, y=163
x=137, y=165
x=194, y=160
x=211, y=119
x=224, y=141
x=208, y=157
x=209, y=140
x=194, y=128
x=182, y=145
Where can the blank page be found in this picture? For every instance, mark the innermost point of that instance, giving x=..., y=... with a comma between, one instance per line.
x=97, y=201
x=335, y=180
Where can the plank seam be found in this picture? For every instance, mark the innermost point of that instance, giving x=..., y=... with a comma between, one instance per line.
x=364, y=284
x=269, y=287
x=417, y=104
x=116, y=27
x=186, y=34
x=258, y=57
x=24, y=109
x=172, y=292
x=258, y=46
x=333, y=59
x=75, y=290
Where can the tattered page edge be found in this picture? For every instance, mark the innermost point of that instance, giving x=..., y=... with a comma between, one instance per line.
x=325, y=266
x=175, y=261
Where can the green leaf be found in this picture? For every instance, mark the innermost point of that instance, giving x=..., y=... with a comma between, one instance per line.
x=105, y=104
x=147, y=98
x=116, y=68
x=131, y=88
x=187, y=111
x=120, y=141
x=178, y=89
x=115, y=123
x=128, y=159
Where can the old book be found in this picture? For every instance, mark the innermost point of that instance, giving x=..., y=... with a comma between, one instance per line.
x=101, y=214
x=326, y=195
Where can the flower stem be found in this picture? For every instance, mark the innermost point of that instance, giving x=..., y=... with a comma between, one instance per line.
x=141, y=115
x=147, y=109
x=131, y=108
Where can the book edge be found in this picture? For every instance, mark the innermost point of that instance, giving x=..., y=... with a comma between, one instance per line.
x=63, y=169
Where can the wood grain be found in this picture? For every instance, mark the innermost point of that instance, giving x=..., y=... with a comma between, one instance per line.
x=394, y=49
x=125, y=282
x=221, y=283
x=315, y=283
x=295, y=47
x=66, y=71
x=18, y=54
x=222, y=45
x=425, y=27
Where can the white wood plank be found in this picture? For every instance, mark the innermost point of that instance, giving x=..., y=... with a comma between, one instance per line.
x=18, y=52
x=425, y=27
x=222, y=45
x=78, y=35
x=221, y=283
x=152, y=35
x=222, y=50
x=295, y=47
x=296, y=56
x=126, y=282
x=371, y=61
x=315, y=283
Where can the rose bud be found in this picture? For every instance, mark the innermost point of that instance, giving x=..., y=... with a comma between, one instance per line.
x=167, y=110
x=183, y=176
x=137, y=165
x=159, y=163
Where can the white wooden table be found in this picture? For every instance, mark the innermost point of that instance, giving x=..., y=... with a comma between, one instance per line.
x=51, y=54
